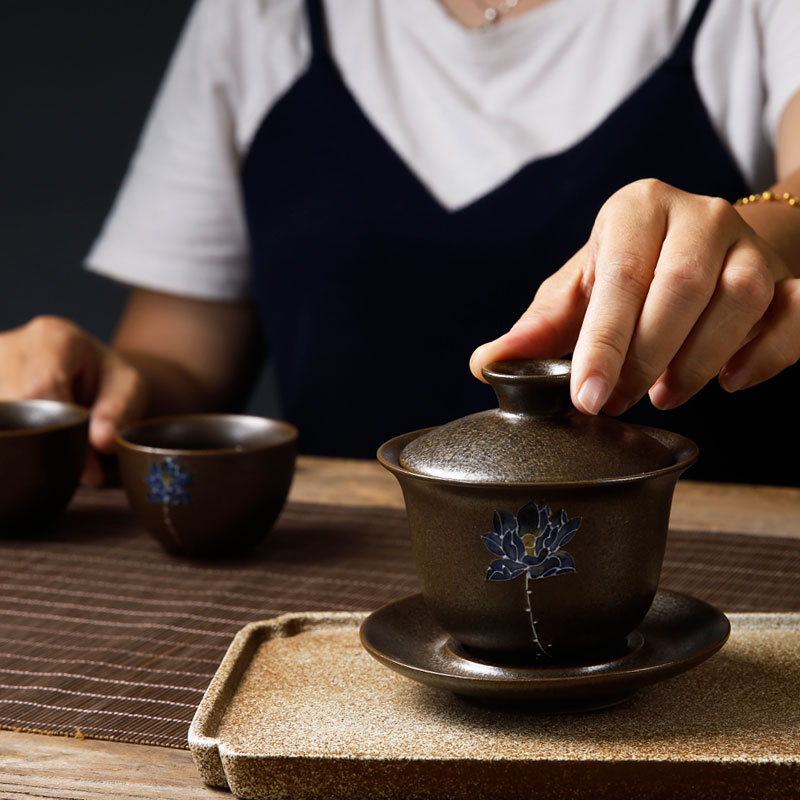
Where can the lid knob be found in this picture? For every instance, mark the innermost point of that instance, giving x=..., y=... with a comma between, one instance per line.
x=536, y=388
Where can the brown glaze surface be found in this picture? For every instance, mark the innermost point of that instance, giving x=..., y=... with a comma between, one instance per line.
x=616, y=553
x=678, y=633
x=43, y=446
x=546, y=566
x=207, y=484
x=535, y=435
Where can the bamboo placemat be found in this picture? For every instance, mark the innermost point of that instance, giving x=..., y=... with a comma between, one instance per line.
x=103, y=635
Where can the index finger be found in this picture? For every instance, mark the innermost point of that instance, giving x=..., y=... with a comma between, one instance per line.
x=626, y=244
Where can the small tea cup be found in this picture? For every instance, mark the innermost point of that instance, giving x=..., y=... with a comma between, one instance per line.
x=207, y=484
x=43, y=447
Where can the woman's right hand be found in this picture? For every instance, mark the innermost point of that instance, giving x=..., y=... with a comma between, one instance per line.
x=54, y=359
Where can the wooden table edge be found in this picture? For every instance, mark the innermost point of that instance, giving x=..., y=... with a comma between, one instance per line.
x=697, y=506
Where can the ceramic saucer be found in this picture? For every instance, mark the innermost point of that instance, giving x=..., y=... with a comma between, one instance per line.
x=678, y=633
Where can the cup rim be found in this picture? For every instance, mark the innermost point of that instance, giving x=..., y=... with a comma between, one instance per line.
x=291, y=434
x=82, y=417
x=684, y=450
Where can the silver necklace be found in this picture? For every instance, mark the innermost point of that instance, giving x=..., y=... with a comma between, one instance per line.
x=494, y=13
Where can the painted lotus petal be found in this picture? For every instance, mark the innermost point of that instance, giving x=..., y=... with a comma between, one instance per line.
x=505, y=522
x=537, y=560
x=553, y=571
x=494, y=543
x=502, y=569
x=567, y=531
x=534, y=573
x=546, y=538
x=553, y=562
x=560, y=560
x=544, y=517
x=513, y=547
x=565, y=559
x=547, y=565
x=528, y=519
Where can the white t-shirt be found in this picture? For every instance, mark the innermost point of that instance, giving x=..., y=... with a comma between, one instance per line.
x=464, y=109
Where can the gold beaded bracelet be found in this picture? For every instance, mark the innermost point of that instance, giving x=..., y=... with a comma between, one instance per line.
x=769, y=197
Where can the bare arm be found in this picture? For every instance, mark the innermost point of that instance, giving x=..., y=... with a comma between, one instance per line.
x=195, y=355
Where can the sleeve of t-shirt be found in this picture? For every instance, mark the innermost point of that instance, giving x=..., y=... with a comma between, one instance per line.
x=781, y=57
x=177, y=224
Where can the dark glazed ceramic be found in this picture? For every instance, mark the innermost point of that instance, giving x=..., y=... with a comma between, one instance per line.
x=207, y=484
x=561, y=553
x=535, y=435
x=43, y=446
x=678, y=633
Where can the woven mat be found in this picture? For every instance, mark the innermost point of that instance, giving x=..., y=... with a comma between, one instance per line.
x=103, y=635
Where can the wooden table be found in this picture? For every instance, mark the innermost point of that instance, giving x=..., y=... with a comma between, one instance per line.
x=36, y=766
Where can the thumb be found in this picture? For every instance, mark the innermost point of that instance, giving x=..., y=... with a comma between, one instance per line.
x=549, y=327
x=122, y=397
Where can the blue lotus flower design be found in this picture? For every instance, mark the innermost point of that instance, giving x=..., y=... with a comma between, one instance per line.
x=530, y=543
x=168, y=482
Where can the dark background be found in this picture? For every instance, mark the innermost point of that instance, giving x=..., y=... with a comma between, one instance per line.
x=77, y=78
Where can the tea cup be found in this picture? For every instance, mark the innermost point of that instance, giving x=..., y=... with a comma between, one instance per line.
x=43, y=447
x=207, y=484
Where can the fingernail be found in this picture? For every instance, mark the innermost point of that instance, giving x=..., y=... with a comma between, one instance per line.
x=593, y=394
x=734, y=380
x=476, y=353
x=662, y=398
x=476, y=359
x=102, y=434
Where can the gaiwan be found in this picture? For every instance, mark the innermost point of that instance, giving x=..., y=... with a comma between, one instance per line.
x=538, y=532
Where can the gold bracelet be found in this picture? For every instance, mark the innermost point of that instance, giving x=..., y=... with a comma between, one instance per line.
x=769, y=197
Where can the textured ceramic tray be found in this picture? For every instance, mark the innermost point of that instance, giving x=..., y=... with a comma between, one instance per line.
x=298, y=709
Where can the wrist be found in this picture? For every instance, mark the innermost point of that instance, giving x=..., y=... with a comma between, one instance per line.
x=774, y=216
x=770, y=197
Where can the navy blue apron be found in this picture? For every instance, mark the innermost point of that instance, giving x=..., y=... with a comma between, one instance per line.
x=373, y=295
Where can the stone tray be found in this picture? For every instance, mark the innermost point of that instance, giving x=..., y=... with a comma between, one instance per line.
x=297, y=709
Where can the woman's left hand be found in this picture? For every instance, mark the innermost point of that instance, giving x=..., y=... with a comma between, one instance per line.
x=671, y=290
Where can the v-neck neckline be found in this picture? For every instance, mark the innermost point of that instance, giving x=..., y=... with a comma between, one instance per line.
x=325, y=60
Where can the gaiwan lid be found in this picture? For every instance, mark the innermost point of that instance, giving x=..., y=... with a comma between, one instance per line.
x=535, y=435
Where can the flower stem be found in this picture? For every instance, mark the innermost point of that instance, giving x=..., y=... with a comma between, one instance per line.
x=169, y=524
x=529, y=609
